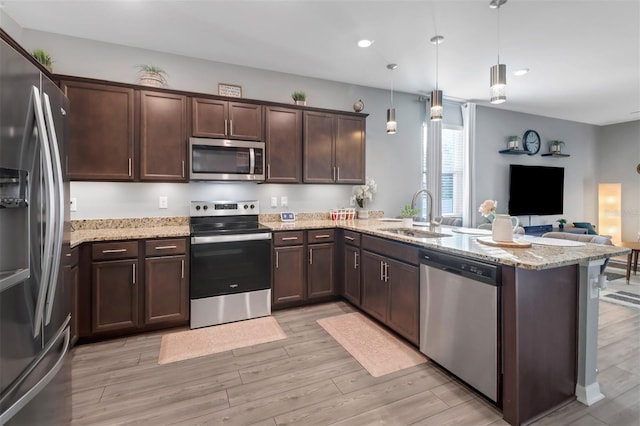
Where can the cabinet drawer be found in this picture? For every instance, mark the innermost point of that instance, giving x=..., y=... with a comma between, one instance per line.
x=352, y=238
x=165, y=247
x=391, y=249
x=320, y=236
x=115, y=250
x=290, y=238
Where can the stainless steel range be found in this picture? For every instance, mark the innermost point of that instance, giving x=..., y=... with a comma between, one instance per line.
x=230, y=263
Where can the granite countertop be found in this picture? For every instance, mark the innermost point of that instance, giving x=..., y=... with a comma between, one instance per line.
x=536, y=257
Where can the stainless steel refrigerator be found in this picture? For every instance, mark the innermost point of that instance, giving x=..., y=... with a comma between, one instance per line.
x=35, y=300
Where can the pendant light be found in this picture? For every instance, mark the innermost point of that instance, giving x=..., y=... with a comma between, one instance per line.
x=392, y=124
x=498, y=72
x=436, y=95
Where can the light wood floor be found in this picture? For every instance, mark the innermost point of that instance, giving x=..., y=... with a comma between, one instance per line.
x=309, y=379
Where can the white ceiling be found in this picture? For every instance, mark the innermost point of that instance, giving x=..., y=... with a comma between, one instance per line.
x=584, y=56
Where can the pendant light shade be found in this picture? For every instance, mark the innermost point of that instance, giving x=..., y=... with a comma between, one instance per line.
x=498, y=83
x=435, y=112
x=392, y=125
x=436, y=105
x=498, y=72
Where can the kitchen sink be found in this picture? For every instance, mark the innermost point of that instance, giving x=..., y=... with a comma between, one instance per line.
x=415, y=233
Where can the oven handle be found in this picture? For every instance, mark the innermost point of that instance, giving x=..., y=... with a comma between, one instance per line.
x=230, y=238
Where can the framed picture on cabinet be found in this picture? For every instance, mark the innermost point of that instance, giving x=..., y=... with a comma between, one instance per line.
x=230, y=90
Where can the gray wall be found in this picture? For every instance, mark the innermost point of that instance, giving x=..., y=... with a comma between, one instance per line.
x=392, y=160
x=618, y=155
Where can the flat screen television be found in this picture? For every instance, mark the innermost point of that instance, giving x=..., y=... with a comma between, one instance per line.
x=535, y=190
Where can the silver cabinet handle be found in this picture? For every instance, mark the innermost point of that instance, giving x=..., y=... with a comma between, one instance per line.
x=114, y=251
x=225, y=127
x=323, y=236
x=230, y=127
x=346, y=237
x=134, y=273
x=233, y=285
x=310, y=256
x=334, y=174
x=182, y=168
x=386, y=272
x=165, y=247
x=289, y=238
x=355, y=260
x=130, y=166
x=381, y=270
x=268, y=171
x=277, y=259
x=338, y=169
x=182, y=269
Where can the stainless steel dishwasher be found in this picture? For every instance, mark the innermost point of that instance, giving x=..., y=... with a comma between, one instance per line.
x=459, y=319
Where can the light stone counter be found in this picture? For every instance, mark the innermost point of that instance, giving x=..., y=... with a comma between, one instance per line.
x=127, y=229
x=536, y=257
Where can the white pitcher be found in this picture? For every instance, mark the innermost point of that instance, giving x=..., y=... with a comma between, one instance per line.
x=503, y=227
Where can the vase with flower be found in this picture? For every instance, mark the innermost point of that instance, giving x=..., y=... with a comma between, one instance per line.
x=502, y=227
x=361, y=194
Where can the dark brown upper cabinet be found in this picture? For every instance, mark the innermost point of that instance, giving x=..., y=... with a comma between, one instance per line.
x=163, y=137
x=334, y=148
x=213, y=118
x=101, y=131
x=283, y=137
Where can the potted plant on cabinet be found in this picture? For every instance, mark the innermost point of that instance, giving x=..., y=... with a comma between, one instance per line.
x=44, y=58
x=555, y=147
x=300, y=98
x=151, y=75
x=407, y=213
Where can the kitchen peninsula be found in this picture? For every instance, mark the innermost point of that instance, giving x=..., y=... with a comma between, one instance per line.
x=540, y=319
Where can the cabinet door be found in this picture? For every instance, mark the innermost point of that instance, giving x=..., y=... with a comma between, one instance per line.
x=101, y=132
x=283, y=127
x=404, y=299
x=350, y=149
x=163, y=136
x=317, y=154
x=288, y=274
x=374, y=288
x=352, y=274
x=320, y=272
x=245, y=121
x=114, y=295
x=209, y=118
x=74, y=278
x=166, y=298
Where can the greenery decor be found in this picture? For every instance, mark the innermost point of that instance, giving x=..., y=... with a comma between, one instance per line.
x=562, y=222
x=556, y=146
x=299, y=96
x=407, y=211
x=44, y=58
x=151, y=75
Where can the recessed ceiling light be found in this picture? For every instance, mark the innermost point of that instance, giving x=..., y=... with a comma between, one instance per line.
x=521, y=72
x=365, y=43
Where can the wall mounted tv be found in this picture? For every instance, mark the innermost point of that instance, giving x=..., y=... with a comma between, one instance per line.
x=535, y=190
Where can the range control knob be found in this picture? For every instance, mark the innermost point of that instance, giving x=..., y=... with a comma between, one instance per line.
x=246, y=206
x=197, y=207
x=205, y=207
x=252, y=206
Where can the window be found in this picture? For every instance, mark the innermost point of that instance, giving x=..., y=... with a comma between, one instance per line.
x=451, y=191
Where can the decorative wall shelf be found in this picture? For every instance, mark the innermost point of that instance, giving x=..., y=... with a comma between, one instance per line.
x=555, y=154
x=514, y=151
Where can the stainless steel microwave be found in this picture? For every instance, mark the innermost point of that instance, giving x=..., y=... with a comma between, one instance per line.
x=225, y=159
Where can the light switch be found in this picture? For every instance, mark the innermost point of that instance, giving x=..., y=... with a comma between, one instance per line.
x=284, y=201
x=73, y=205
x=163, y=202
x=274, y=201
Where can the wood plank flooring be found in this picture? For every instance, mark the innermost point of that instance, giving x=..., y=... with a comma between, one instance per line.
x=309, y=379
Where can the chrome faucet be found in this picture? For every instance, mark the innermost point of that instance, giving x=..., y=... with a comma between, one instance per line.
x=430, y=196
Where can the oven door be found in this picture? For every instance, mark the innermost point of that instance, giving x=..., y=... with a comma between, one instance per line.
x=230, y=264
x=223, y=159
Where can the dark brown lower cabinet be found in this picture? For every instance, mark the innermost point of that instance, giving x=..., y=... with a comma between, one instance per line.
x=351, y=265
x=114, y=295
x=390, y=293
x=320, y=282
x=165, y=289
x=288, y=274
x=74, y=279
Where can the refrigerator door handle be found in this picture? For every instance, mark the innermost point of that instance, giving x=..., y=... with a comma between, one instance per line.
x=58, y=208
x=36, y=110
x=44, y=381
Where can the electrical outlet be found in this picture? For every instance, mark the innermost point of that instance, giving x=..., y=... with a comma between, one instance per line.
x=352, y=202
x=274, y=201
x=284, y=201
x=163, y=202
x=73, y=205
